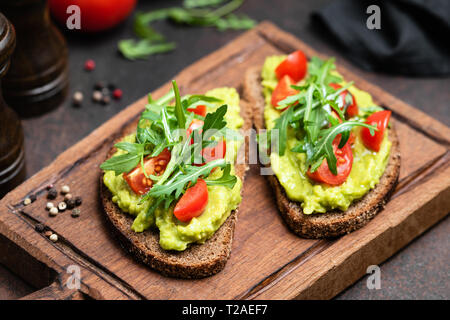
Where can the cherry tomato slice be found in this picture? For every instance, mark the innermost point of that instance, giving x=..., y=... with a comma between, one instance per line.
x=195, y=124
x=193, y=202
x=200, y=110
x=283, y=90
x=214, y=153
x=344, y=164
x=381, y=120
x=209, y=153
x=295, y=66
x=352, y=108
x=136, y=179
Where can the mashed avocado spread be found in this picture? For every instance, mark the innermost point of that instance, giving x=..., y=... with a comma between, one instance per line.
x=368, y=166
x=176, y=235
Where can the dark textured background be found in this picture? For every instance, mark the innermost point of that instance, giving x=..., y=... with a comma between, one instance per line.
x=419, y=271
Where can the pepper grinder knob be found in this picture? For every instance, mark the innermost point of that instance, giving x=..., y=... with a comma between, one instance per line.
x=12, y=159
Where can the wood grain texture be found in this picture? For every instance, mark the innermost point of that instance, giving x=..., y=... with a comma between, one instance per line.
x=267, y=261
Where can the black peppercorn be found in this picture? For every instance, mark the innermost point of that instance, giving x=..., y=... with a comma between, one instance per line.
x=52, y=193
x=75, y=213
x=33, y=198
x=112, y=86
x=106, y=100
x=99, y=85
x=70, y=203
x=39, y=227
x=78, y=201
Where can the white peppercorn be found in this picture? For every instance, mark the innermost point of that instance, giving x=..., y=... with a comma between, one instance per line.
x=54, y=237
x=65, y=189
x=62, y=206
x=53, y=211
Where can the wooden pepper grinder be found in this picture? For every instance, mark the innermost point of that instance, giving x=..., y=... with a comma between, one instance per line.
x=37, y=79
x=12, y=160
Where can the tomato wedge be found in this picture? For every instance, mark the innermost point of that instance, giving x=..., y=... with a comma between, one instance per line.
x=283, y=90
x=136, y=179
x=352, y=108
x=200, y=110
x=209, y=153
x=193, y=202
x=214, y=153
x=344, y=164
x=381, y=120
x=295, y=66
x=195, y=124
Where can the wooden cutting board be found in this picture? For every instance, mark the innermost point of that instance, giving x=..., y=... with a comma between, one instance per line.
x=267, y=260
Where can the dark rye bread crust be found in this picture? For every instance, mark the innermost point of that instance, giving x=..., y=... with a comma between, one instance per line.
x=198, y=260
x=333, y=223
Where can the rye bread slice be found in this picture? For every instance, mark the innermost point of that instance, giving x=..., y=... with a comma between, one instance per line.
x=198, y=260
x=333, y=223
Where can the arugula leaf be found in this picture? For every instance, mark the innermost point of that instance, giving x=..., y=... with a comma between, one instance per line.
x=143, y=30
x=214, y=122
x=324, y=145
x=121, y=163
x=132, y=49
x=281, y=124
x=227, y=179
x=201, y=3
x=130, y=147
x=176, y=185
x=316, y=67
x=192, y=99
x=234, y=22
x=166, y=126
x=179, y=112
x=206, y=13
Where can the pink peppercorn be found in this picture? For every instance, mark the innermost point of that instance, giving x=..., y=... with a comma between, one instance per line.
x=89, y=65
x=117, y=94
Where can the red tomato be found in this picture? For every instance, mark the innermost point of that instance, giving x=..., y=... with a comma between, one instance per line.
x=95, y=15
x=195, y=124
x=193, y=202
x=295, y=66
x=352, y=109
x=209, y=153
x=379, y=119
x=214, y=153
x=136, y=179
x=352, y=138
x=283, y=90
x=344, y=164
x=200, y=110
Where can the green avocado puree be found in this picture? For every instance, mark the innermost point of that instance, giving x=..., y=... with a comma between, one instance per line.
x=176, y=235
x=368, y=166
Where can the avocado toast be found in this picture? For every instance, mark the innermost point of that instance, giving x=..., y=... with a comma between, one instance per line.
x=200, y=243
x=315, y=203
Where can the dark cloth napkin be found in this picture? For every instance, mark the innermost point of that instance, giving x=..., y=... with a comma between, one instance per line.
x=414, y=38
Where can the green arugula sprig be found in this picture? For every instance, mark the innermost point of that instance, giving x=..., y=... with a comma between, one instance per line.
x=204, y=13
x=310, y=114
x=163, y=126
